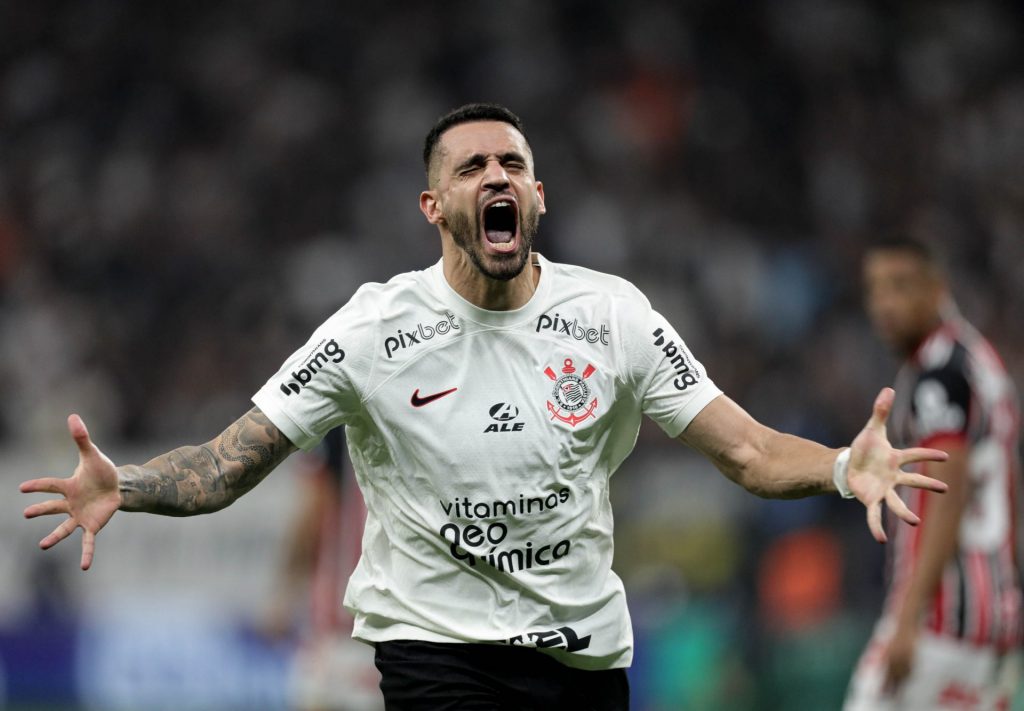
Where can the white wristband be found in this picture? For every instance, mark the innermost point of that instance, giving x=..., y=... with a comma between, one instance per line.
x=839, y=474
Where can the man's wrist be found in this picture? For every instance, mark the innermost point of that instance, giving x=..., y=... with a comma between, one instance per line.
x=839, y=472
x=123, y=487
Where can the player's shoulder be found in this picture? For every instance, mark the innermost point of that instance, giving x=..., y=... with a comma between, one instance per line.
x=957, y=349
x=943, y=383
x=572, y=277
x=401, y=290
x=943, y=351
x=962, y=358
x=411, y=281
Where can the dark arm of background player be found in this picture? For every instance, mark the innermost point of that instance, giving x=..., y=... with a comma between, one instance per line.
x=302, y=546
x=940, y=531
x=208, y=477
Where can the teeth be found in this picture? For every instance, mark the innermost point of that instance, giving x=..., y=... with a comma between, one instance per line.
x=502, y=203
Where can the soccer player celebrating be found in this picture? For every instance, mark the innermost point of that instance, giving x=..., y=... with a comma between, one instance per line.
x=953, y=610
x=487, y=399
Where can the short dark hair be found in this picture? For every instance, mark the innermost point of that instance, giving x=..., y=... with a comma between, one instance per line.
x=467, y=114
x=903, y=243
x=929, y=255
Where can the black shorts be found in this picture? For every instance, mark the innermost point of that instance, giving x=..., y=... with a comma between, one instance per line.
x=429, y=676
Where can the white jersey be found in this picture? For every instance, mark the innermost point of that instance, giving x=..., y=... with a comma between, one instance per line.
x=483, y=442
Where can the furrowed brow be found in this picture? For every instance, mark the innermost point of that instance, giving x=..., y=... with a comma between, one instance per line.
x=479, y=159
x=476, y=159
x=512, y=157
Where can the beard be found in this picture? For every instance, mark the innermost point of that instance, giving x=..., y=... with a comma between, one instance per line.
x=466, y=233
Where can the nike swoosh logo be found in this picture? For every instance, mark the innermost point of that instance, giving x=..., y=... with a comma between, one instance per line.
x=418, y=401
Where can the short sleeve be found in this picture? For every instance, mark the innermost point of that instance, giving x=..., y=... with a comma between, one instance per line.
x=941, y=405
x=319, y=386
x=672, y=385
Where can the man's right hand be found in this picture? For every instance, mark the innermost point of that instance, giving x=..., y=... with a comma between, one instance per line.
x=91, y=494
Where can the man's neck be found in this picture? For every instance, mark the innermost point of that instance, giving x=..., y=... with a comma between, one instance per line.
x=483, y=292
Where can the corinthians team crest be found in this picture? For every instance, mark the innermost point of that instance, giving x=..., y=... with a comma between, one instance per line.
x=571, y=393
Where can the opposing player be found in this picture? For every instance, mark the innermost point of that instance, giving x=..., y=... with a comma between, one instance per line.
x=952, y=617
x=487, y=399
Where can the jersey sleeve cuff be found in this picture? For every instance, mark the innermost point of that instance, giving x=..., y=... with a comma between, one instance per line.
x=298, y=436
x=674, y=427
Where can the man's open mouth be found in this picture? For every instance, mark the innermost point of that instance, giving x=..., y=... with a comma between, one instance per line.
x=500, y=221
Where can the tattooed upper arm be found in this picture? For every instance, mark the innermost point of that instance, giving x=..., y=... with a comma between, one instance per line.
x=208, y=477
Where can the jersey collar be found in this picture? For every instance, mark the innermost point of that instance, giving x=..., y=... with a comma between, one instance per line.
x=531, y=309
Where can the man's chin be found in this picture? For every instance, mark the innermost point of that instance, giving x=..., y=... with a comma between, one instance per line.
x=503, y=267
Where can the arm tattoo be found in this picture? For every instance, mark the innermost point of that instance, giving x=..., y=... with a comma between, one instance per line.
x=200, y=479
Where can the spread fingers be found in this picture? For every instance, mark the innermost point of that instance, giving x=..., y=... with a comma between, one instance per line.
x=45, y=508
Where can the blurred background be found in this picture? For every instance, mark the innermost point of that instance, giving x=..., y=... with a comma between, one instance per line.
x=187, y=189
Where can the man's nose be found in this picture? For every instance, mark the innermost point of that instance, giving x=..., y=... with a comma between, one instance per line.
x=495, y=177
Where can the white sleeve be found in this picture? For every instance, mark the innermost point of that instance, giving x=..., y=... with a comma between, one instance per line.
x=320, y=386
x=672, y=385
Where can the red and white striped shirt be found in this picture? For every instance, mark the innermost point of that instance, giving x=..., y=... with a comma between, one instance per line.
x=955, y=388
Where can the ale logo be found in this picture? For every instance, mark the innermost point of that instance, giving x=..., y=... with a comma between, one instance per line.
x=503, y=413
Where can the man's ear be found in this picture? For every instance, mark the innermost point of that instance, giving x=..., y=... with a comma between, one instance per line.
x=540, y=196
x=430, y=206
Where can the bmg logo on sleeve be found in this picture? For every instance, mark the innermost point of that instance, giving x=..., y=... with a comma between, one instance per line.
x=330, y=352
x=687, y=374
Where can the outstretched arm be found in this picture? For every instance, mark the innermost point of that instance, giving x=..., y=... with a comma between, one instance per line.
x=186, y=481
x=777, y=465
x=206, y=478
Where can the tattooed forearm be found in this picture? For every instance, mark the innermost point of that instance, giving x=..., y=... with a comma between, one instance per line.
x=200, y=479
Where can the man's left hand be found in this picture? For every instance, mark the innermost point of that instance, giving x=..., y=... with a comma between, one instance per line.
x=874, y=471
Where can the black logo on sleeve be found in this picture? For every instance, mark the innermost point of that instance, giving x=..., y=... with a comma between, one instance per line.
x=572, y=329
x=420, y=334
x=678, y=359
x=329, y=353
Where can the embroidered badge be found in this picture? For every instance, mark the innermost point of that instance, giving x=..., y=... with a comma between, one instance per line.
x=571, y=394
